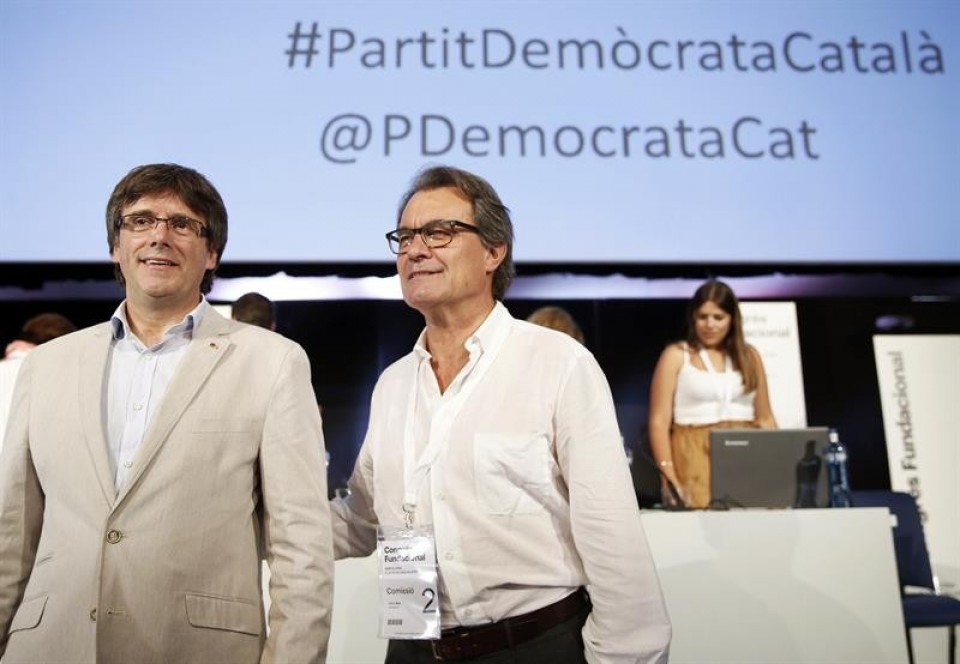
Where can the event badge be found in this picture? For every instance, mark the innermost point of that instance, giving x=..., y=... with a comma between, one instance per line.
x=409, y=601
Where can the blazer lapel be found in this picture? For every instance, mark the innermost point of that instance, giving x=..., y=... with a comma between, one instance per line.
x=210, y=344
x=92, y=370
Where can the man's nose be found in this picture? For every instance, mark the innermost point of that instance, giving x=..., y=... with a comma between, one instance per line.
x=158, y=235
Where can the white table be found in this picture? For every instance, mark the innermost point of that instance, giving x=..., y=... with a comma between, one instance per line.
x=789, y=586
x=764, y=586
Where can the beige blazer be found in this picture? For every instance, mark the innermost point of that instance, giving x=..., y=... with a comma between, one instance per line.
x=167, y=570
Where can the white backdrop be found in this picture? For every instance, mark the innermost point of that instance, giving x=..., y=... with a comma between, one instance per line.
x=772, y=328
x=919, y=379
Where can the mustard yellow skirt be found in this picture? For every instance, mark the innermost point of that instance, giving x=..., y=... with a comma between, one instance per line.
x=691, y=458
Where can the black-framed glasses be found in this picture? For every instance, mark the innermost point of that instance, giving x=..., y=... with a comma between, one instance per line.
x=178, y=225
x=435, y=234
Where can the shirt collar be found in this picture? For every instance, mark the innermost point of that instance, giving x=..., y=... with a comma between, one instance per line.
x=185, y=328
x=482, y=337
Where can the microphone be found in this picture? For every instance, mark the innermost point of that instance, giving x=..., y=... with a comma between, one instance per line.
x=678, y=501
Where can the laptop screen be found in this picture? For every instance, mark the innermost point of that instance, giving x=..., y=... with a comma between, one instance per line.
x=773, y=468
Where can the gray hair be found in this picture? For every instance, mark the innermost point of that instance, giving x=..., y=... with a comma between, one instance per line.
x=491, y=216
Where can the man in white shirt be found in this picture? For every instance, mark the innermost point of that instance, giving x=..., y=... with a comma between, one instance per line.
x=151, y=460
x=500, y=438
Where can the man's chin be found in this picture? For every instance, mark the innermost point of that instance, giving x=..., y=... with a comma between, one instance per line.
x=419, y=298
x=164, y=293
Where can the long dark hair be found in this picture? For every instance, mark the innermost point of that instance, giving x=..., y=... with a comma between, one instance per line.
x=734, y=344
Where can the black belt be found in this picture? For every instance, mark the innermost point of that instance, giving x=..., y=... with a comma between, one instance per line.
x=476, y=641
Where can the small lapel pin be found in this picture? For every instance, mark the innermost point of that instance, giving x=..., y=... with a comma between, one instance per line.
x=214, y=346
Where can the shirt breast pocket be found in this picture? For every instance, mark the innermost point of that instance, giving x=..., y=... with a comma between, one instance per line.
x=512, y=473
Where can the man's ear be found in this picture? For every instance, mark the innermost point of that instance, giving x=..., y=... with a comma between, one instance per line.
x=212, y=259
x=495, y=256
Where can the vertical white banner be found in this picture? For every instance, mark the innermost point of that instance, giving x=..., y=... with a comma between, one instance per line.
x=771, y=327
x=919, y=380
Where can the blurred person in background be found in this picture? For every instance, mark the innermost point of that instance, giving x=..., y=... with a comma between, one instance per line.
x=556, y=318
x=38, y=330
x=711, y=380
x=255, y=309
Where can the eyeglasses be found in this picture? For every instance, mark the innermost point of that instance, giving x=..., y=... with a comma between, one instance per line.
x=180, y=226
x=435, y=234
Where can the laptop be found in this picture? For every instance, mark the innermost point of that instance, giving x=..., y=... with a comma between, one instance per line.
x=772, y=468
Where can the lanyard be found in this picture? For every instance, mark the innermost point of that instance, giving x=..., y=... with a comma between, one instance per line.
x=721, y=381
x=415, y=471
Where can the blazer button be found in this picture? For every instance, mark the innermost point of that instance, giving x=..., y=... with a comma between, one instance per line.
x=114, y=536
x=93, y=615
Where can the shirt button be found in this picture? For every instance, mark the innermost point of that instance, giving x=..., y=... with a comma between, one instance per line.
x=448, y=556
x=114, y=536
x=128, y=464
x=138, y=406
x=93, y=615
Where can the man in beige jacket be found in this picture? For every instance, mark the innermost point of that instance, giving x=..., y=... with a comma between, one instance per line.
x=151, y=460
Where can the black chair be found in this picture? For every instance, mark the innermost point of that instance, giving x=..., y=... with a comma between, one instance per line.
x=920, y=609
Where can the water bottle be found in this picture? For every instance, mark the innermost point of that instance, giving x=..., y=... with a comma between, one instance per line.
x=835, y=455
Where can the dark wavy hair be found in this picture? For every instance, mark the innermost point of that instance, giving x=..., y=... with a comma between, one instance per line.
x=491, y=216
x=734, y=344
x=191, y=187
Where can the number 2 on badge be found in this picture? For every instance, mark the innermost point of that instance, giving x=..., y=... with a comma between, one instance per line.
x=429, y=594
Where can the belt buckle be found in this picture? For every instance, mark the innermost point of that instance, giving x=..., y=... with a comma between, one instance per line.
x=433, y=649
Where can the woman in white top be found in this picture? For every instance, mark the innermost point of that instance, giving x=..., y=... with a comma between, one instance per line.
x=713, y=380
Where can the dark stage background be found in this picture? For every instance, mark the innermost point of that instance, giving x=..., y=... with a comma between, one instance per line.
x=351, y=341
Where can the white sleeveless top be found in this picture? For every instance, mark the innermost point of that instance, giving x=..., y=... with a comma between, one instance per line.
x=707, y=397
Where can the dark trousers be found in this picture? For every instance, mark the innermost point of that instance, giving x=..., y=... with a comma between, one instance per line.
x=562, y=644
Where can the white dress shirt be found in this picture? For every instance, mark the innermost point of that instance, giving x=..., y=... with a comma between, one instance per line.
x=137, y=382
x=530, y=496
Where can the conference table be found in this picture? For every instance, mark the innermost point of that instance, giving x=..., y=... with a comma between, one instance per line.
x=741, y=586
